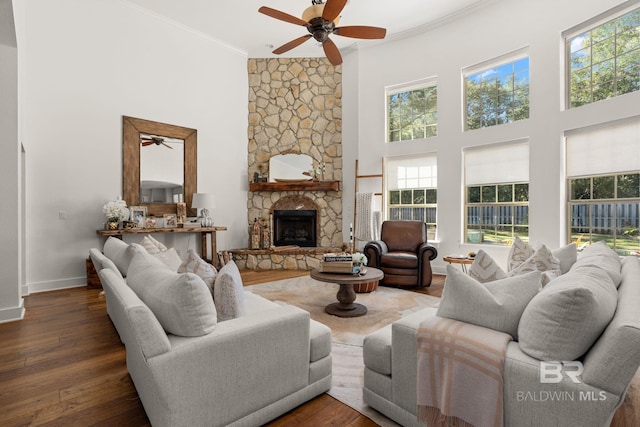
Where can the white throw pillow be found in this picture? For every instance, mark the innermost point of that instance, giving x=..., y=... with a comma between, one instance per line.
x=152, y=245
x=228, y=292
x=170, y=258
x=567, y=316
x=485, y=269
x=496, y=305
x=542, y=260
x=519, y=252
x=567, y=255
x=120, y=253
x=181, y=302
x=195, y=264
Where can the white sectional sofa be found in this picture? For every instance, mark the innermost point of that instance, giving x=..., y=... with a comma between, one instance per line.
x=243, y=371
x=390, y=355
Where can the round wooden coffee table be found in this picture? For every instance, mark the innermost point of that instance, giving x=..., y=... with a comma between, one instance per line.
x=346, y=307
x=463, y=261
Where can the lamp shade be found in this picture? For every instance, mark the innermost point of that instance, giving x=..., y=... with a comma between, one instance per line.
x=203, y=200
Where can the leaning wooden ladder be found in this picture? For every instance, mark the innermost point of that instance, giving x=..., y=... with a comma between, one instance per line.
x=355, y=197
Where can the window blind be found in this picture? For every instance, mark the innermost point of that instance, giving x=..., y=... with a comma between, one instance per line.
x=603, y=149
x=412, y=172
x=495, y=164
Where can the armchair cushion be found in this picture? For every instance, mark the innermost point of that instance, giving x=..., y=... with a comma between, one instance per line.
x=399, y=260
x=403, y=235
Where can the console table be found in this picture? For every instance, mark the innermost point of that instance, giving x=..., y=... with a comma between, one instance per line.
x=204, y=232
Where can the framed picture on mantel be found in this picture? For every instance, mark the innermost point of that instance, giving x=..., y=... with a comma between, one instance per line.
x=170, y=221
x=181, y=213
x=137, y=214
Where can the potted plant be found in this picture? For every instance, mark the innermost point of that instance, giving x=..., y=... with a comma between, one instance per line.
x=115, y=211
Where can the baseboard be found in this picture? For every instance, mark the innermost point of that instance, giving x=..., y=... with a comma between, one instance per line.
x=12, y=314
x=53, y=285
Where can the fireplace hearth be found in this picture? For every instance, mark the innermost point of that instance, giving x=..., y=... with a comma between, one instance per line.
x=294, y=227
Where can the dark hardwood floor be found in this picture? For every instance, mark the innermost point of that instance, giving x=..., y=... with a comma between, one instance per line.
x=64, y=365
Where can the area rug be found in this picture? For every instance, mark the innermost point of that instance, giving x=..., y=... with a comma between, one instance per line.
x=385, y=305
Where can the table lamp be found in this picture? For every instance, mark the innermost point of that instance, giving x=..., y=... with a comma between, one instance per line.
x=205, y=201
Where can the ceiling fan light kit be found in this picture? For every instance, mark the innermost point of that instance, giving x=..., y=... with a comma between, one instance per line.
x=320, y=19
x=315, y=11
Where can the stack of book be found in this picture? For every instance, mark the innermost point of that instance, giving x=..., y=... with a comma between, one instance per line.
x=190, y=224
x=337, y=263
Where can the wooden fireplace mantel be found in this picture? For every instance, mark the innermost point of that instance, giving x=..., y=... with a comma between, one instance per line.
x=295, y=186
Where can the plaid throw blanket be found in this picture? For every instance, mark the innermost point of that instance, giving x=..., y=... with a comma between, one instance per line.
x=460, y=368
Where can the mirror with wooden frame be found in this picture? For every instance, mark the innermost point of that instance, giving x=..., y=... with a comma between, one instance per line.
x=135, y=135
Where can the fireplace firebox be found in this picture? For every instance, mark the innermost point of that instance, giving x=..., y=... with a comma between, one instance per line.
x=294, y=227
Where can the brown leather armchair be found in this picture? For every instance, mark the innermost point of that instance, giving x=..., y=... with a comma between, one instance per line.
x=403, y=254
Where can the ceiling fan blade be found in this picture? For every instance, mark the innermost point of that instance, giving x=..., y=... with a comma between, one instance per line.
x=332, y=9
x=361, y=32
x=166, y=145
x=282, y=16
x=145, y=143
x=293, y=43
x=332, y=52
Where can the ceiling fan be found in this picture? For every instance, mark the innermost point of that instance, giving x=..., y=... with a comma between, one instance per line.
x=146, y=140
x=320, y=19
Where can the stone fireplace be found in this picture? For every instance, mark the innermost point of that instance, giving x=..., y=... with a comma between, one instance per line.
x=295, y=106
x=295, y=221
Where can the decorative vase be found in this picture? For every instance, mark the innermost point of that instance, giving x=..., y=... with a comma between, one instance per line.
x=112, y=225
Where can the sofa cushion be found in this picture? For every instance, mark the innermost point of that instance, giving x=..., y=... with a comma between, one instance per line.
x=564, y=319
x=196, y=265
x=497, y=305
x=485, y=269
x=376, y=350
x=319, y=341
x=600, y=255
x=519, y=252
x=121, y=253
x=228, y=293
x=181, y=302
x=170, y=258
x=153, y=246
x=567, y=255
x=542, y=260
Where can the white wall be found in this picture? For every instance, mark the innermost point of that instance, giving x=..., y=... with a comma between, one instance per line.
x=500, y=27
x=88, y=63
x=11, y=304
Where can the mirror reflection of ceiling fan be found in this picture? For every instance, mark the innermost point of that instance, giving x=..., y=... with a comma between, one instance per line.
x=147, y=140
x=320, y=19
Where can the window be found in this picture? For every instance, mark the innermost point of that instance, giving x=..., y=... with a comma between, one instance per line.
x=497, y=93
x=497, y=193
x=412, y=111
x=603, y=186
x=604, y=60
x=412, y=190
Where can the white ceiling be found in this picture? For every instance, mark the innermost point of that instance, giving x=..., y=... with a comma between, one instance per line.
x=238, y=23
